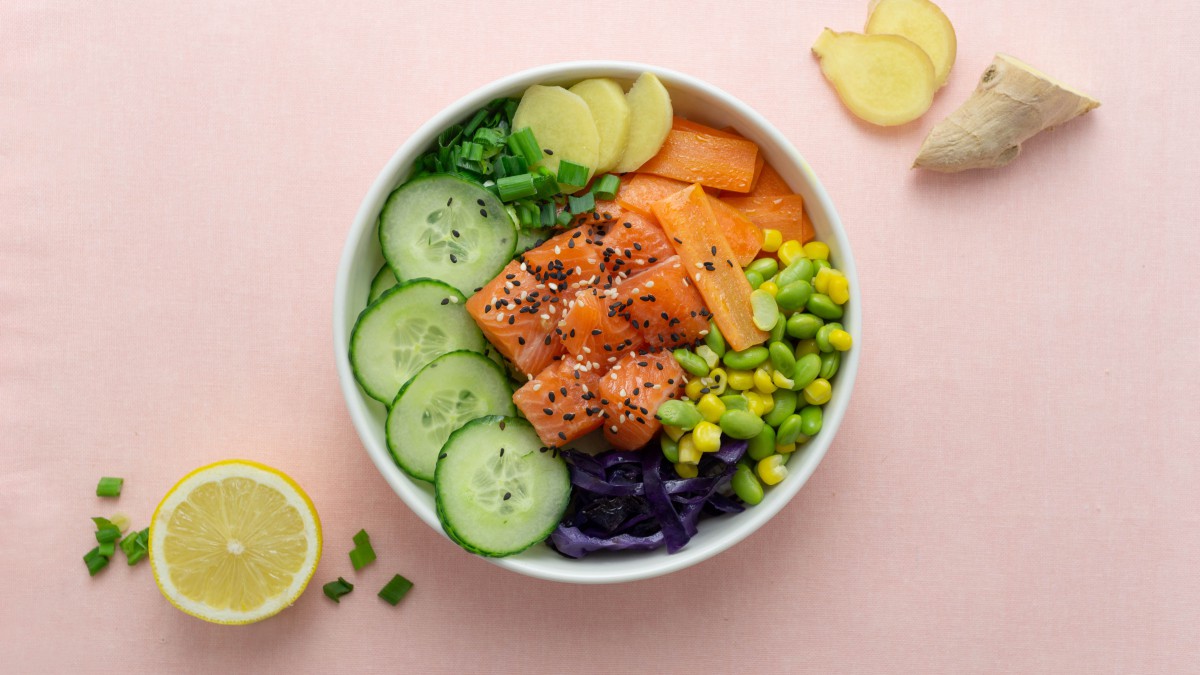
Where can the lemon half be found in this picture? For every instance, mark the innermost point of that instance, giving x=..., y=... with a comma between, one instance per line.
x=234, y=542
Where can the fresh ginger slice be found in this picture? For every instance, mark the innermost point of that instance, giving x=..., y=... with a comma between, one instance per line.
x=649, y=121
x=563, y=125
x=922, y=22
x=610, y=110
x=884, y=79
x=1013, y=102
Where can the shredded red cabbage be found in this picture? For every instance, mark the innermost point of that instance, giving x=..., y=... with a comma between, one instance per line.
x=636, y=500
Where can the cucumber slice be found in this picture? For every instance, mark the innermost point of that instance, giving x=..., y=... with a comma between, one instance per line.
x=446, y=228
x=406, y=328
x=383, y=281
x=452, y=390
x=499, y=491
x=528, y=238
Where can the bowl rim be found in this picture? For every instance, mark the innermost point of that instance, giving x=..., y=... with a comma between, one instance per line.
x=750, y=520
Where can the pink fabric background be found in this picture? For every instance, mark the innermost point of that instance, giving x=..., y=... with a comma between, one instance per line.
x=1015, y=486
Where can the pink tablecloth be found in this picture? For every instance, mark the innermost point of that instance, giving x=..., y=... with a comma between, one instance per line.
x=1015, y=488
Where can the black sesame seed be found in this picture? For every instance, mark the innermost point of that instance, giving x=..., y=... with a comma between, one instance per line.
x=445, y=301
x=455, y=233
x=548, y=151
x=479, y=202
x=714, y=250
x=569, y=416
x=507, y=496
x=483, y=212
x=453, y=258
x=677, y=240
x=551, y=396
x=550, y=411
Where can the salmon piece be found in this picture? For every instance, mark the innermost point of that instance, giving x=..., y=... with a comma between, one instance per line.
x=561, y=402
x=631, y=243
x=515, y=317
x=632, y=391
x=593, y=333
x=568, y=261
x=664, y=305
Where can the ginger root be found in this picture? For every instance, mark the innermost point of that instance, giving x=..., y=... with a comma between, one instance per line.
x=921, y=21
x=884, y=79
x=1012, y=103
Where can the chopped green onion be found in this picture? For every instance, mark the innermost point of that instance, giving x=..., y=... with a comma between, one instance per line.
x=513, y=188
x=510, y=109
x=570, y=173
x=334, y=590
x=489, y=137
x=524, y=144
x=395, y=590
x=363, y=553
x=475, y=121
x=564, y=218
x=109, y=487
x=94, y=561
x=134, y=546
x=548, y=217
x=472, y=151
x=509, y=165
x=107, y=549
x=581, y=204
x=546, y=186
x=449, y=136
x=606, y=187
x=106, y=531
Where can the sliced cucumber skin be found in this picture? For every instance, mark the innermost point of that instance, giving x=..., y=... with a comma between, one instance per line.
x=384, y=281
x=472, y=270
x=558, y=481
x=487, y=375
x=465, y=336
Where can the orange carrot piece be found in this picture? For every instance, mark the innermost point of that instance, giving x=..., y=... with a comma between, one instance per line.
x=714, y=161
x=640, y=190
x=770, y=184
x=682, y=124
x=744, y=237
x=786, y=214
x=687, y=217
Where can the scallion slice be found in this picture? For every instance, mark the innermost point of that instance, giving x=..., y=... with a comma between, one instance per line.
x=106, y=531
x=475, y=121
x=363, y=553
x=94, y=561
x=564, y=218
x=606, y=187
x=395, y=590
x=548, y=217
x=522, y=142
x=109, y=487
x=107, y=549
x=516, y=187
x=334, y=590
x=570, y=173
x=134, y=546
x=581, y=204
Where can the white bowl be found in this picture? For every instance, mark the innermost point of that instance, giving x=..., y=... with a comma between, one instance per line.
x=691, y=98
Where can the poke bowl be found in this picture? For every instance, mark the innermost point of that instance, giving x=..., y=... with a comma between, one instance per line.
x=363, y=283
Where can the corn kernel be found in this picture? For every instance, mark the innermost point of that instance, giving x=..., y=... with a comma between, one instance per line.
x=816, y=250
x=770, y=287
x=706, y=437
x=821, y=281
x=771, y=470
x=710, y=357
x=674, y=433
x=716, y=381
x=782, y=381
x=839, y=289
x=687, y=470
x=741, y=380
x=771, y=240
x=711, y=408
x=818, y=392
x=840, y=340
x=785, y=449
x=790, y=251
x=692, y=389
x=760, y=404
x=762, y=381
x=688, y=454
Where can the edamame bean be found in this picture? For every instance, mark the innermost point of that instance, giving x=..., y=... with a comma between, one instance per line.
x=682, y=414
x=693, y=363
x=764, y=311
x=747, y=359
x=818, y=264
x=740, y=424
x=755, y=279
x=794, y=295
x=735, y=402
x=799, y=270
x=765, y=267
x=779, y=330
x=830, y=363
x=805, y=347
x=785, y=404
x=808, y=368
x=822, y=306
x=762, y=445
x=670, y=448
x=782, y=358
x=811, y=418
x=789, y=430
x=714, y=339
x=746, y=486
x=803, y=325
x=822, y=336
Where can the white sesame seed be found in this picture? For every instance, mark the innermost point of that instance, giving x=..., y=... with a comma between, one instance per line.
x=537, y=386
x=454, y=299
x=649, y=284
x=545, y=317
x=557, y=250
x=499, y=316
x=613, y=428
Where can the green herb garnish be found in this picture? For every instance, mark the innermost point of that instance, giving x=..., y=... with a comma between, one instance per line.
x=109, y=487
x=334, y=590
x=363, y=553
x=395, y=590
